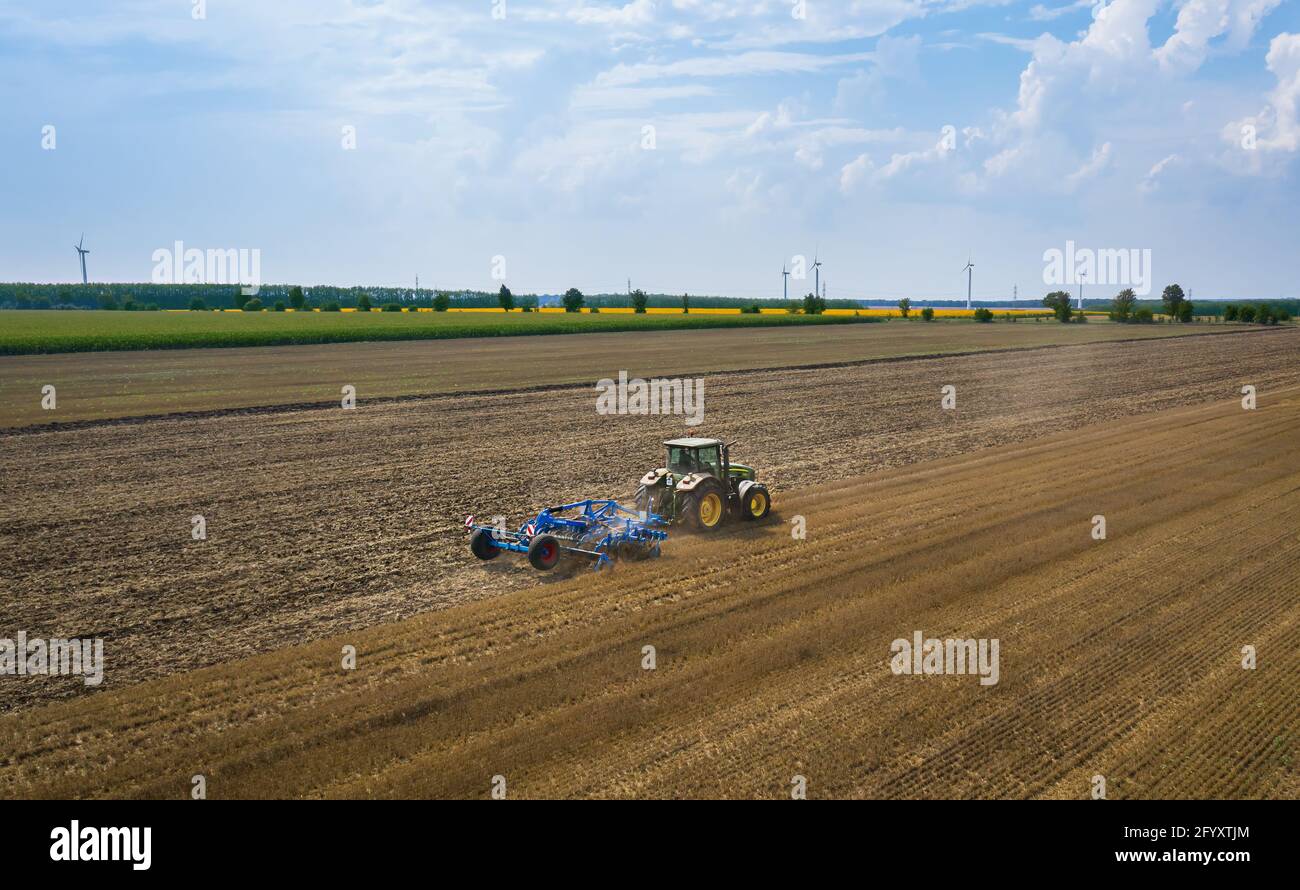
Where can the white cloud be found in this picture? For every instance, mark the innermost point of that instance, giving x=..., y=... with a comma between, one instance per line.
x=1274, y=131
x=894, y=58
x=638, y=12
x=743, y=64
x=1041, y=13
x=591, y=97
x=1201, y=21
x=863, y=169
x=1074, y=95
x=1099, y=161
x=1151, y=182
x=1024, y=44
x=855, y=173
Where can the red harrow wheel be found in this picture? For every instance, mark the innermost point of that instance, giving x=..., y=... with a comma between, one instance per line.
x=482, y=545
x=544, y=552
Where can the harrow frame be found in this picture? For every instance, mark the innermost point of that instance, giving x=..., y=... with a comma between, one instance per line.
x=623, y=528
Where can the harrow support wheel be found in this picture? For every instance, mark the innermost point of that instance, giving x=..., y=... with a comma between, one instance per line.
x=544, y=552
x=482, y=545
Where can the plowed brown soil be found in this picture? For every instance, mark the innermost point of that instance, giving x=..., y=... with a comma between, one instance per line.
x=323, y=521
x=1119, y=657
x=128, y=384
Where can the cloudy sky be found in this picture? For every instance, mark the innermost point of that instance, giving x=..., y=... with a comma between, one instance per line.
x=691, y=145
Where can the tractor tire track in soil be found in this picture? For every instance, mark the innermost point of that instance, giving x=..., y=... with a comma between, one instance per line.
x=1119, y=657
x=323, y=520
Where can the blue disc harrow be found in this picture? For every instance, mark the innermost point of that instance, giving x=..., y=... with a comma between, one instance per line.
x=597, y=531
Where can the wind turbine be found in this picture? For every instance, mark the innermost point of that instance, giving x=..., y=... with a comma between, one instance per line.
x=817, y=274
x=81, y=253
x=969, y=269
x=785, y=282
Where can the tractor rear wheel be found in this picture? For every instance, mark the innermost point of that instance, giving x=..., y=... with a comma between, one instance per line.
x=757, y=503
x=544, y=552
x=705, y=508
x=482, y=545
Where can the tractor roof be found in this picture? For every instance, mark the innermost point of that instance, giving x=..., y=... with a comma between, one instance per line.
x=693, y=443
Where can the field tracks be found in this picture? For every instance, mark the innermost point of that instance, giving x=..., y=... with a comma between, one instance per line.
x=1120, y=657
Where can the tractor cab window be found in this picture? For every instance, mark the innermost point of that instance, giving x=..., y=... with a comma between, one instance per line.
x=710, y=460
x=694, y=460
x=682, y=460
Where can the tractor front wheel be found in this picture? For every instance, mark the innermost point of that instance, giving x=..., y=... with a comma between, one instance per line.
x=544, y=552
x=705, y=508
x=757, y=503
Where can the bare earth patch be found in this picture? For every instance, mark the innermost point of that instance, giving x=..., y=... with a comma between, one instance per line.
x=322, y=521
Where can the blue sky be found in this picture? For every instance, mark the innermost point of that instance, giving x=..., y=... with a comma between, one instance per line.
x=691, y=145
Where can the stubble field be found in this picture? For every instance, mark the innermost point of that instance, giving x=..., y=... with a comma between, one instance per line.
x=1119, y=658
x=323, y=523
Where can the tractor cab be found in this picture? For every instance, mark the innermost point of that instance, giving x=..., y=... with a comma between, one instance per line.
x=687, y=456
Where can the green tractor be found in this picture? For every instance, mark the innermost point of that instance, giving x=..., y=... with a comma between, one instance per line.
x=700, y=486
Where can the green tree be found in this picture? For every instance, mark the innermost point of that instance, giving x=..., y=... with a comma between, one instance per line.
x=363, y=303
x=279, y=306
x=813, y=304
x=686, y=304
x=1123, y=304
x=572, y=300
x=197, y=305
x=1230, y=312
x=927, y=314
x=252, y=305
x=983, y=314
x=638, y=301
x=440, y=302
x=505, y=298
x=1059, y=302
x=240, y=297
x=107, y=301
x=1185, y=311
x=296, y=298
x=905, y=307
x=1173, y=298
